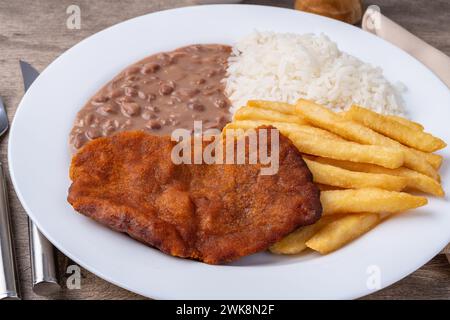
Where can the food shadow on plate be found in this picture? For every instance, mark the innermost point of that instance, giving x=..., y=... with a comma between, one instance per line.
x=263, y=259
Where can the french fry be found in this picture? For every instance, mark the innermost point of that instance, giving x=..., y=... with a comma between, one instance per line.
x=295, y=242
x=434, y=159
x=244, y=125
x=393, y=129
x=338, y=233
x=271, y=105
x=414, y=179
x=406, y=122
x=335, y=176
x=345, y=150
x=368, y=200
x=420, y=164
x=350, y=130
x=252, y=113
x=421, y=182
x=285, y=128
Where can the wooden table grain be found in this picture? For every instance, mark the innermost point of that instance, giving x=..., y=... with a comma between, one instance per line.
x=36, y=31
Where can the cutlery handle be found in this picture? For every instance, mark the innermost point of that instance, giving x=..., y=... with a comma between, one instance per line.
x=9, y=288
x=43, y=265
x=378, y=24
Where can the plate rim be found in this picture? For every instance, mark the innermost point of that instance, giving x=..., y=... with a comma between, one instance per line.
x=98, y=272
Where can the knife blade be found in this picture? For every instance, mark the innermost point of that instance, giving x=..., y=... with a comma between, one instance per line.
x=29, y=74
x=42, y=253
x=3, y=118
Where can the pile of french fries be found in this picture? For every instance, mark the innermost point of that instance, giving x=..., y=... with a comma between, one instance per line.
x=366, y=165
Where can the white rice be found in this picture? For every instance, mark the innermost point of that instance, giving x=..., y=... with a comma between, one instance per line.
x=286, y=67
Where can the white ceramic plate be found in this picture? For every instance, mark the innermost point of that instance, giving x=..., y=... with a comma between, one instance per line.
x=39, y=161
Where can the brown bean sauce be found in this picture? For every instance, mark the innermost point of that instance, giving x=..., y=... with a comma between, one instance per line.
x=158, y=94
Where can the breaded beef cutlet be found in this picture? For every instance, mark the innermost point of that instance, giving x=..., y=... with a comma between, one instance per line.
x=214, y=213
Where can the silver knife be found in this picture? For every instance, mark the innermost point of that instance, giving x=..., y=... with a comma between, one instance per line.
x=9, y=286
x=42, y=254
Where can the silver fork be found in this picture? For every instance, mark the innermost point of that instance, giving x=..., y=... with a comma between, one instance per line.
x=9, y=288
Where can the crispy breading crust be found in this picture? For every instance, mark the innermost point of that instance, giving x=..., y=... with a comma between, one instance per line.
x=213, y=213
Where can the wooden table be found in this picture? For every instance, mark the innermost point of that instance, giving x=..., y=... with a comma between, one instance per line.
x=35, y=30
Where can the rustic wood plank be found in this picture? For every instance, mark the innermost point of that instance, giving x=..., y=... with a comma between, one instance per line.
x=36, y=31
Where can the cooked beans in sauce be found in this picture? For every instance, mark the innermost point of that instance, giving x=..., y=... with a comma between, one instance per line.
x=158, y=94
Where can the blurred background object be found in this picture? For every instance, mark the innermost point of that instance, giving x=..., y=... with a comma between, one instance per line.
x=375, y=22
x=349, y=11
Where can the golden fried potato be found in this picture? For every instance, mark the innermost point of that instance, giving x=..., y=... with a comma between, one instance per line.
x=326, y=119
x=368, y=200
x=295, y=242
x=406, y=122
x=335, y=176
x=434, y=159
x=391, y=128
x=338, y=233
x=414, y=179
x=420, y=164
x=346, y=150
x=271, y=105
x=252, y=113
x=285, y=128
